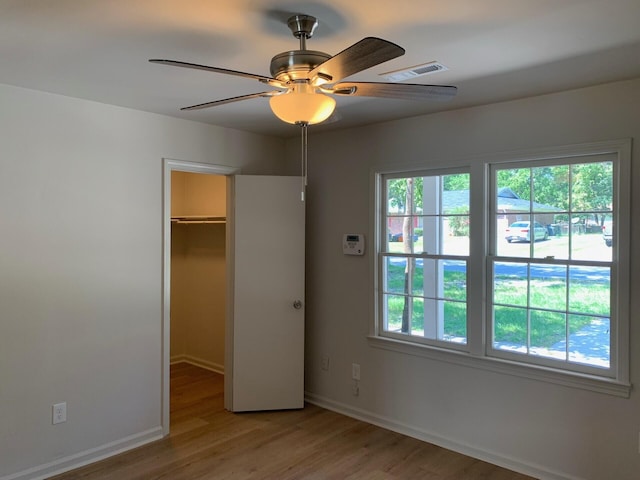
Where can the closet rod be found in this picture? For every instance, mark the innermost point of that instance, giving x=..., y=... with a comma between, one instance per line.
x=198, y=219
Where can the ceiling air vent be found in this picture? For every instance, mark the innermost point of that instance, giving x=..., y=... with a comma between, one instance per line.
x=412, y=72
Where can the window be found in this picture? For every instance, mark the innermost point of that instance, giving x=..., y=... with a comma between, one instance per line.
x=551, y=277
x=424, y=257
x=517, y=263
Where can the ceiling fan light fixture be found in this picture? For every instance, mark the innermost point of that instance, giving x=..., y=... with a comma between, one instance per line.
x=302, y=104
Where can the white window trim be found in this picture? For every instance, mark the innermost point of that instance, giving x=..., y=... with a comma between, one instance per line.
x=494, y=257
x=433, y=342
x=476, y=355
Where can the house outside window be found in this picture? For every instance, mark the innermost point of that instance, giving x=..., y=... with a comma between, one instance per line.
x=529, y=280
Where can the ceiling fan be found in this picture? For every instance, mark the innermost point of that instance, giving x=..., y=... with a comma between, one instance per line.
x=305, y=81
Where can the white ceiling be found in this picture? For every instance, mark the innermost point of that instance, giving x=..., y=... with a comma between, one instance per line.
x=495, y=50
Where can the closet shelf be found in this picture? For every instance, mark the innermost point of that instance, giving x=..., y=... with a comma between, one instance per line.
x=198, y=219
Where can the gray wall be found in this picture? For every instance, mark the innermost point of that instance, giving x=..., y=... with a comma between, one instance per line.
x=81, y=269
x=549, y=430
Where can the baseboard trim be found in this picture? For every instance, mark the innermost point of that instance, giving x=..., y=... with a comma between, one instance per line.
x=198, y=362
x=536, y=471
x=86, y=457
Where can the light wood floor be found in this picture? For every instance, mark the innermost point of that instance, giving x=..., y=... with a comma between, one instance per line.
x=207, y=442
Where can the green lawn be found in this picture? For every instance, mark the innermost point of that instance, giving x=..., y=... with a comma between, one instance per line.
x=455, y=307
x=586, y=298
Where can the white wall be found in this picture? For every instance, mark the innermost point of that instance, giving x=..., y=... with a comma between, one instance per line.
x=549, y=430
x=198, y=294
x=198, y=194
x=81, y=269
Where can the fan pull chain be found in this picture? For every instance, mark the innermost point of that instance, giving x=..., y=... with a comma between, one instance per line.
x=304, y=126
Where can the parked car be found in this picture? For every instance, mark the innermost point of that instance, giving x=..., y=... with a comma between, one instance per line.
x=607, y=233
x=521, y=231
x=397, y=237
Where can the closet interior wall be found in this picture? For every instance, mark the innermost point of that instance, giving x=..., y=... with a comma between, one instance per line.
x=198, y=269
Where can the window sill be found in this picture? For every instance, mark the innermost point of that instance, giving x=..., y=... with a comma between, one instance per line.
x=506, y=367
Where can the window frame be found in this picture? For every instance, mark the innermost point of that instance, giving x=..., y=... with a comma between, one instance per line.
x=383, y=254
x=479, y=352
x=493, y=258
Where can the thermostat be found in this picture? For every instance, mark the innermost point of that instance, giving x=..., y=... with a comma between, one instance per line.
x=353, y=244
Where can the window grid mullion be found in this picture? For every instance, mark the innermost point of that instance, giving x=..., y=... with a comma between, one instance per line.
x=566, y=314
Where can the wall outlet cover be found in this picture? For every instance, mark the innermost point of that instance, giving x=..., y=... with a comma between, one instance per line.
x=59, y=413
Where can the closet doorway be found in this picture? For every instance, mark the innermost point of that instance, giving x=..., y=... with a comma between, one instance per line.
x=195, y=278
x=264, y=302
x=198, y=269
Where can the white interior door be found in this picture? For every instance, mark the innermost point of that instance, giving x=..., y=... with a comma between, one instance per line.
x=264, y=365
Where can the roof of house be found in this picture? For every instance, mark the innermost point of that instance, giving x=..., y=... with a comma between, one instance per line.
x=508, y=201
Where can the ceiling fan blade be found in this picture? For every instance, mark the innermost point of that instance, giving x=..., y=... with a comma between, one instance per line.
x=216, y=103
x=402, y=91
x=175, y=63
x=366, y=53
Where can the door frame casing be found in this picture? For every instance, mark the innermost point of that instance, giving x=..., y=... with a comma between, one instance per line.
x=170, y=165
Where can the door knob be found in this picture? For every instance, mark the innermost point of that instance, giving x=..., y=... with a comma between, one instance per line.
x=297, y=304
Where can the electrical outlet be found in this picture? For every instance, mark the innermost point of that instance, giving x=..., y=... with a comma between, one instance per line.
x=59, y=413
x=356, y=388
x=324, y=362
x=355, y=371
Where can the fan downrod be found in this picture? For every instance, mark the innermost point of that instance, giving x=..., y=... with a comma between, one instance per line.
x=295, y=64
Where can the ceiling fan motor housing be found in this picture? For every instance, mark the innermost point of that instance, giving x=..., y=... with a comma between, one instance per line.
x=296, y=64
